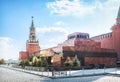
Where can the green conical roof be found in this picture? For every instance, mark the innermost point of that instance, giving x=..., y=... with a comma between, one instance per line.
x=118, y=16
x=32, y=24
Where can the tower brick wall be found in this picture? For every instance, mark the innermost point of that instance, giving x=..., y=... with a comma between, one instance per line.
x=32, y=48
x=116, y=39
x=23, y=55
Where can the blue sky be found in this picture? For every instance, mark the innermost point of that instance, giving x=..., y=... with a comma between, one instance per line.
x=53, y=19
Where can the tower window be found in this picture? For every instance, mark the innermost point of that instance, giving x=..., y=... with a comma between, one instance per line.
x=78, y=36
x=33, y=37
x=71, y=37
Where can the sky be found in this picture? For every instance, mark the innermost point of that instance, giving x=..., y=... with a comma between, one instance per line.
x=53, y=20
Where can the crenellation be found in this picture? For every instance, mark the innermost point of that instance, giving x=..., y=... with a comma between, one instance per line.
x=103, y=36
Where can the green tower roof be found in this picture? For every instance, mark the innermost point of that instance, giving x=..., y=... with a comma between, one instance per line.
x=118, y=16
x=32, y=24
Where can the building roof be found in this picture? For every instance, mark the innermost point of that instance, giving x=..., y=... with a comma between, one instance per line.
x=76, y=33
x=47, y=52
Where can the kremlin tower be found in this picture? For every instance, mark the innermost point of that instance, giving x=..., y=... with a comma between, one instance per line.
x=32, y=44
x=116, y=35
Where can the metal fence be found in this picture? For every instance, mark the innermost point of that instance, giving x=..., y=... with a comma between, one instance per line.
x=68, y=73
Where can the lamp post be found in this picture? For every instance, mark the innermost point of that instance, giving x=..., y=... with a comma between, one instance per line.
x=51, y=61
x=52, y=67
x=83, y=70
x=104, y=69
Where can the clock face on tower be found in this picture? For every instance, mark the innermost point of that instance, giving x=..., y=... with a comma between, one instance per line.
x=33, y=37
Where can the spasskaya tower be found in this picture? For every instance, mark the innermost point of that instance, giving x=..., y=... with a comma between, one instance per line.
x=32, y=44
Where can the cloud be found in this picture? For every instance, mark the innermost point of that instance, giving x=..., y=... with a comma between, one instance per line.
x=70, y=7
x=107, y=5
x=59, y=23
x=102, y=16
x=52, y=35
x=8, y=49
x=51, y=41
x=52, y=29
x=79, y=7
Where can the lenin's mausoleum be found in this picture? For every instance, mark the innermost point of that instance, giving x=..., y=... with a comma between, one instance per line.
x=101, y=49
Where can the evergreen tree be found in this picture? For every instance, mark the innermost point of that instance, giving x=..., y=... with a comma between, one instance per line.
x=44, y=62
x=68, y=62
x=22, y=64
x=39, y=63
x=76, y=61
x=35, y=62
x=26, y=63
x=31, y=58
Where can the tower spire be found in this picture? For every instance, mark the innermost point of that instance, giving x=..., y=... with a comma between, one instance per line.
x=32, y=24
x=32, y=35
x=118, y=16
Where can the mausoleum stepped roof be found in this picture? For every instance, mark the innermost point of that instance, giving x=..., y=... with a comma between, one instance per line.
x=76, y=33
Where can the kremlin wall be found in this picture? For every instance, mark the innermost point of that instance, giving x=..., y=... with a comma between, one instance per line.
x=103, y=49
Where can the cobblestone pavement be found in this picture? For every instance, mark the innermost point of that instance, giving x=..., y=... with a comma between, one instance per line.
x=8, y=75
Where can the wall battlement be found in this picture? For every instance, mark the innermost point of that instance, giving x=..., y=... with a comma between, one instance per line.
x=102, y=36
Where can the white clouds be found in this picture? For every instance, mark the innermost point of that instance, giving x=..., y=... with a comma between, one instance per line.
x=68, y=7
x=52, y=41
x=108, y=5
x=59, y=23
x=52, y=35
x=7, y=49
x=105, y=16
x=101, y=18
x=52, y=29
x=78, y=7
x=5, y=44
